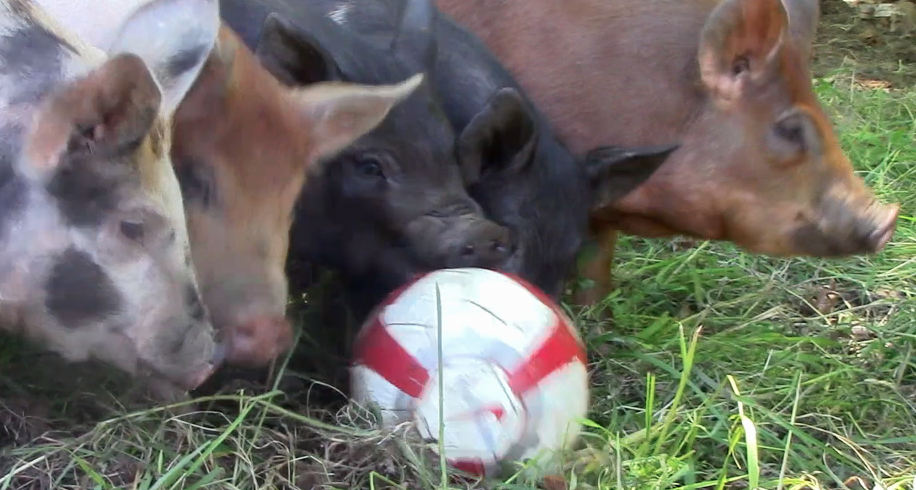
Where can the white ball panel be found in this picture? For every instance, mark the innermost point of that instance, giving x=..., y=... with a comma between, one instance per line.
x=491, y=325
x=562, y=397
x=369, y=387
x=483, y=418
x=478, y=306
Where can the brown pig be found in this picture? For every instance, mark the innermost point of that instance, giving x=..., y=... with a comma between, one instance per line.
x=244, y=146
x=759, y=162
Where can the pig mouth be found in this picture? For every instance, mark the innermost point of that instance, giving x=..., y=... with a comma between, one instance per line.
x=185, y=379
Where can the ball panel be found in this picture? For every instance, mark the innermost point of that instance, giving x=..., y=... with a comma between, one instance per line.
x=537, y=292
x=560, y=398
x=483, y=418
x=473, y=466
x=475, y=303
x=381, y=352
x=493, y=351
x=371, y=388
x=557, y=350
x=515, y=368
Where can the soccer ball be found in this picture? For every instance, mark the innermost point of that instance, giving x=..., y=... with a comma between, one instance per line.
x=513, y=367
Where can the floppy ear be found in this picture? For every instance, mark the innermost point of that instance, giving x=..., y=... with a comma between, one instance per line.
x=292, y=55
x=174, y=39
x=740, y=41
x=614, y=171
x=104, y=115
x=501, y=138
x=339, y=113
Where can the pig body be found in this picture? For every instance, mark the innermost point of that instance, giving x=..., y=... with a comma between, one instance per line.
x=94, y=253
x=392, y=204
x=759, y=164
x=526, y=179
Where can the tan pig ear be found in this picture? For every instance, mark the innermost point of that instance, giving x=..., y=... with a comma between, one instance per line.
x=740, y=39
x=340, y=113
x=104, y=115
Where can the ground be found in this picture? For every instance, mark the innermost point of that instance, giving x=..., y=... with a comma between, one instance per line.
x=724, y=370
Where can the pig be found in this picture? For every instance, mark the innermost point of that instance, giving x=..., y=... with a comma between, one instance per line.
x=759, y=163
x=526, y=180
x=94, y=255
x=393, y=204
x=243, y=146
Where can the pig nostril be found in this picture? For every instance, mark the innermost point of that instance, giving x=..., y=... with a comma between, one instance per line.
x=467, y=251
x=499, y=247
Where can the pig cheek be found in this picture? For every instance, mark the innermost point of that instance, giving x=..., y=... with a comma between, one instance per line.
x=121, y=351
x=22, y=270
x=771, y=230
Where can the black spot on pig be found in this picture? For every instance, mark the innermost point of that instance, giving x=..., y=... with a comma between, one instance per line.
x=13, y=194
x=79, y=291
x=84, y=198
x=36, y=53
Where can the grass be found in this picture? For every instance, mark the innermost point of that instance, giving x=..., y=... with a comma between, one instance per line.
x=724, y=371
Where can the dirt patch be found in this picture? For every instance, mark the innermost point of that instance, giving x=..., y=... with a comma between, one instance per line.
x=874, y=48
x=22, y=420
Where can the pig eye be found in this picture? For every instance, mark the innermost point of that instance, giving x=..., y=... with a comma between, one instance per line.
x=791, y=130
x=195, y=180
x=741, y=65
x=793, y=138
x=369, y=166
x=132, y=230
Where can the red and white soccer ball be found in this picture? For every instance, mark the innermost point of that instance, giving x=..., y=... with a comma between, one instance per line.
x=514, y=378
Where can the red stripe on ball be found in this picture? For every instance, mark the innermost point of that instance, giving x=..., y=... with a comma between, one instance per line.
x=559, y=349
x=379, y=351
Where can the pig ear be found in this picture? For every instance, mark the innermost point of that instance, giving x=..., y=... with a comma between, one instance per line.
x=339, y=113
x=501, y=138
x=292, y=55
x=104, y=116
x=174, y=39
x=614, y=171
x=803, y=18
x=740, y=40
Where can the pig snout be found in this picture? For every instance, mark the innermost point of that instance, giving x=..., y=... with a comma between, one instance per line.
x=849, y=227
x=485, y=245
x=258, y=340
x=198, y=375
x=880, y=234
x=248, y=309
x=459, y=235
x=862, y=228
